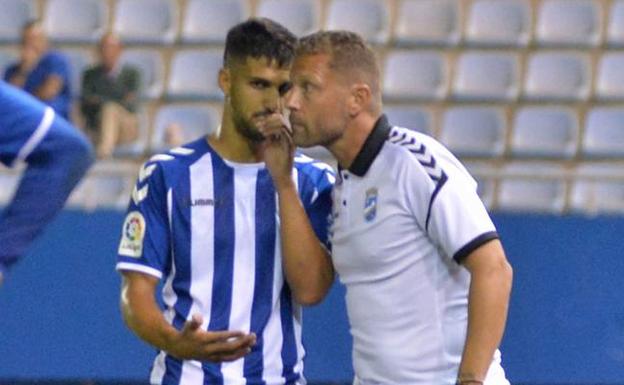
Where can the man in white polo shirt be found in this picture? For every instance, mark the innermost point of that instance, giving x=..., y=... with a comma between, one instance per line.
x=427, y=279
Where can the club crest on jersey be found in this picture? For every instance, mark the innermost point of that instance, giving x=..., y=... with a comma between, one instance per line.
x=370, y=204
x=131, y=244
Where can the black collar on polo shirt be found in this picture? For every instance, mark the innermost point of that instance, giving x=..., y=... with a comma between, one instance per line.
x=371, y=147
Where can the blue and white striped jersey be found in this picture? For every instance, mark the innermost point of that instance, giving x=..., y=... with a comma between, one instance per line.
x=210, y=229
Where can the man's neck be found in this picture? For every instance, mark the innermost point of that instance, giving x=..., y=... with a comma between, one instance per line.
x=346, y=149
x=233, y=146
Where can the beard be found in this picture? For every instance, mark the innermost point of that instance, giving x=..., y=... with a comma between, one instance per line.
x=246, y=128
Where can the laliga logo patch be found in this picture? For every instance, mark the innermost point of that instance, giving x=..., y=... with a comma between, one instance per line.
x=132, y=238
x=370, y=204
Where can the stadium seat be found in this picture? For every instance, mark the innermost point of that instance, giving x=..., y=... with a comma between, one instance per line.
x=610, y=77
x=486, y=76
x=598, y=188
x=299, y=16
x=412, y=117
x=209, y=21
x=7, y=57
x=150, y=64
x=102, y=190
x=545, y=132
x=194, y=121
x=194, y=75
x=615, y=28
x=568, y=23
x=529, y=186
x=13, y=15
x=146, y=21
x=79, y=60
x=499, y=23
x=75, y=21
x=427, y=22
x=8, y=181
x=137, y=148
x=474, y=131
x=483, y=173
x=604, y=132
x=557, y=76
x=369, y=18
x=415, y=75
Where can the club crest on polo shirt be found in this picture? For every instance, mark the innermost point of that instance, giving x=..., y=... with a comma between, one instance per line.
x=131, y=244
x=370, y=204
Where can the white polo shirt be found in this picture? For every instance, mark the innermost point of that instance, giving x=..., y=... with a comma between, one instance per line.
x=405, y=214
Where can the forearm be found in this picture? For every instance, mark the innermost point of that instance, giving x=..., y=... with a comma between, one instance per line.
x=307, y=264
x=143, y=316
x=487, y=313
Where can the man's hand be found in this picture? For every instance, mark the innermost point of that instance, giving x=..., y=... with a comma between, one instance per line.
x=278, y=148
x=194, y=343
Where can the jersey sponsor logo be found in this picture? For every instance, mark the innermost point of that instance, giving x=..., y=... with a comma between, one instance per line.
x=131, y=244
x=370, y=204
x=202, y=202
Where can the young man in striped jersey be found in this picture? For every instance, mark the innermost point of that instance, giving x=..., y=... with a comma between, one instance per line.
x=427, y=280
x=57, y=156
x=212, y=219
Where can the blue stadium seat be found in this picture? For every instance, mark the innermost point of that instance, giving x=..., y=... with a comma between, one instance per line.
x=474, y=131
x=615, y=28
x=557, y=76
x=75, y=21
x=610, y=77
x=301, y=17
x=486, y=76
x=569, y=22
x=604, y=132
x=499, y=23
x=598, y=188
x=369, y=18
x=79, y=60
x=194, y=75
x=194, y=121
x=209, y=21
x=415, y=75
x=528, y=186
x=149, y=62
x=13, y=15
x=409, y=116
x=545, y=132
x=146, y=21
x=427, y=22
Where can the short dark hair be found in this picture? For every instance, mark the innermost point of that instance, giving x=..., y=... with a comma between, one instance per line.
x=348, y=52
x=260, y=37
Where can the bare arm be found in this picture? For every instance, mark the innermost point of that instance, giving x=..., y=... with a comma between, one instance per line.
x=490, y=287
x=143, y=316
x=50, y=87
x=307, y=263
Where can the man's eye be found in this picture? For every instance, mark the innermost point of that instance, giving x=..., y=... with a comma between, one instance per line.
x=284, y=88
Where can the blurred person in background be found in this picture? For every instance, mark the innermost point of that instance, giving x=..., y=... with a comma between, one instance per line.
x=110, y=98
x=212, y=219
x=40, y=71
x=427, y=279
x=57, y=156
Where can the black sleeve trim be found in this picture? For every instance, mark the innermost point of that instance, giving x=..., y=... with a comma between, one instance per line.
x=473, y=245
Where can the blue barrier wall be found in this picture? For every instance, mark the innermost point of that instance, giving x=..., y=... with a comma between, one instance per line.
x=59, y=316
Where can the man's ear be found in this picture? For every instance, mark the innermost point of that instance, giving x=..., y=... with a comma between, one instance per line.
x=359, y=99
x=225, y=81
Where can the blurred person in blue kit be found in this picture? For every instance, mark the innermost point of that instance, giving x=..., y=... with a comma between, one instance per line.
x=40, y=71
x=57, y=155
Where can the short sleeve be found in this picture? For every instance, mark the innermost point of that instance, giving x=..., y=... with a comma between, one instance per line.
x=145, y=238
x=316, y=184
x=443, y=198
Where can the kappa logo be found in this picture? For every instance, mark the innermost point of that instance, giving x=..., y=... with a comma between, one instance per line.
x=370, y=204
